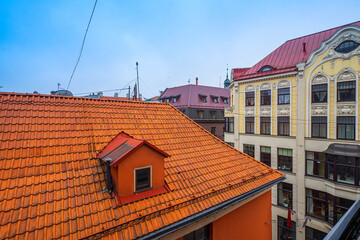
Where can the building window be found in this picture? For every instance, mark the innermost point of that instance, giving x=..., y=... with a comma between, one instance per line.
x=212, y=114
x=343, y=169
x=265, y=155
x=265, y=97
x=346, y=128
x=347, y=46
x=249, y=149
x=325, y=206
x=319, y=127
x=346, y=91
x=315, y=164
x=229, y=124
x=203, y=98
x=249, y=98
x=319, y=93
x=200, y=234
x=168, y=100
x=213, y=130
x=142, y=178
x=225, y=99
x=285, y=232
x=200, y=114
x=215, y=98
x=285, y=195
x=174, y=100
x=284, y=126
x=313, y=234
x=265, y=125
x=249, y=125
x=230, y=143
x=285, y=159
x=266, y=68
x=284, y=96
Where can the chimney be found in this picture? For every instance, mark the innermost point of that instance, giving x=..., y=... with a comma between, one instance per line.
x=304, y=47
x=197, y=81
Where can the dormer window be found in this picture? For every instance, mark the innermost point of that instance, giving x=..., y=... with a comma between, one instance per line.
x=134, y=167
x=203, y=98
x=346, y=46
x=266, y=68
x=168, y=100
x=225, y=99
x=142, y=178
x=215, y=98
x=175, y=98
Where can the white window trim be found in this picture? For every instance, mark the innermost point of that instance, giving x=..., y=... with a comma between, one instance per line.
x=139, y=168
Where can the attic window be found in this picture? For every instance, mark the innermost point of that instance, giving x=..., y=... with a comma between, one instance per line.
x=225, y=99
x=215, y=98
x=175, y=98
x=346, y=46
x=142, y=178
x=203, y=98
x=266, y=68
x=168, y=100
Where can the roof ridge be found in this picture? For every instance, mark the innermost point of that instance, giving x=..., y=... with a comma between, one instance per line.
x=341, y=26
x=75, y=97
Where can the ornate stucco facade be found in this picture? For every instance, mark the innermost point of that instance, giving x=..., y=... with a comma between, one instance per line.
x=320, y=73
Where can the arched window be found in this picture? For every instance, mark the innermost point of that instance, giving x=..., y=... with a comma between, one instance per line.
x=266, y=68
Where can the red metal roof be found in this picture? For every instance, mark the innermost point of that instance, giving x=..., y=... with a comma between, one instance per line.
x=284, y=58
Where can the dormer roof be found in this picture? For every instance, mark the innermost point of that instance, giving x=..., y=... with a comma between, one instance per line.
x=122, y=145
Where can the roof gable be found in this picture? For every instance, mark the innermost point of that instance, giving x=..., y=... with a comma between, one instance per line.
x=284, y=58
x=122, y=145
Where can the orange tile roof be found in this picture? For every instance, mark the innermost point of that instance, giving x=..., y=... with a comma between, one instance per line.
x=51, y=182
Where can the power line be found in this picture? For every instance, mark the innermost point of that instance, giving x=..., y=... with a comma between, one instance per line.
x=82, y=45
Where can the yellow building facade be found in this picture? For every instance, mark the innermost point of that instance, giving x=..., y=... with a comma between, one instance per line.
x=297, y=110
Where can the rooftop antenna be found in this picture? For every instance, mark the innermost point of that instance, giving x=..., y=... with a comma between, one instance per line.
x=137, y=81
x=220, y=82
x=58, y=86
x=189, y=81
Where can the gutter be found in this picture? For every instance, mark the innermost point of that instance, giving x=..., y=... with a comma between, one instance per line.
x=206, y=213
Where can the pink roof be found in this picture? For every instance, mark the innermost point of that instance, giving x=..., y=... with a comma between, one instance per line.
x=190, y=96
x=285, y=57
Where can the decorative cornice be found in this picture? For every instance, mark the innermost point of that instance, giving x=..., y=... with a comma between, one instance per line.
x=265, y=78
x=265, y=86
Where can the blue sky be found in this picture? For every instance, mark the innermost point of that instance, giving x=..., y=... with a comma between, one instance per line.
x=173, y=40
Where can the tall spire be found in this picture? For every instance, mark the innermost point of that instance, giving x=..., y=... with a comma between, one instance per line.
x=227, y=81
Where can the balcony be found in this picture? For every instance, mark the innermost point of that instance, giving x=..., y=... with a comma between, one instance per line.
x=229, y=111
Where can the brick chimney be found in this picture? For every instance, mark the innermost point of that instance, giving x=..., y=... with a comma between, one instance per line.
x=197, y=80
